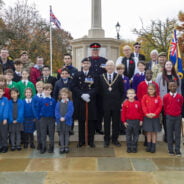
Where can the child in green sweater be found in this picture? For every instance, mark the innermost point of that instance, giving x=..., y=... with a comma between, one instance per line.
x=9, y=77
x=25, y=83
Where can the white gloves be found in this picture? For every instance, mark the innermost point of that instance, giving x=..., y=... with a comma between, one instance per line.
x=86, y=97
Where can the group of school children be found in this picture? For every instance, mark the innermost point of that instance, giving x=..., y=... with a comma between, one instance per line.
x=26, y=111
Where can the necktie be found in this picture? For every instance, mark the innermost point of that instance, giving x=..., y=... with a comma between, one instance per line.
x=24, y=83
x=85, y=73
x=40, y=95
x=28, y=101
x=110, y=79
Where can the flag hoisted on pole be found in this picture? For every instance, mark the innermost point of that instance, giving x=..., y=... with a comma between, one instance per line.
x=58, y=25
x=174, y=55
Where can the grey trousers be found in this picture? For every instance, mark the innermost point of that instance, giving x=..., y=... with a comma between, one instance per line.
x=3, y=135
x=15, y=134
x=173, y=125
x=64, y=134
x=38, y=131
x=132, y=133
x=47, y=124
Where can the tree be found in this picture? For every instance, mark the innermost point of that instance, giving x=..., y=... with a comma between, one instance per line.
x=27, y=30
x=156, y=36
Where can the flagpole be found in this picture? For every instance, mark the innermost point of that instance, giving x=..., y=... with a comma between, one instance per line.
x=50, y=43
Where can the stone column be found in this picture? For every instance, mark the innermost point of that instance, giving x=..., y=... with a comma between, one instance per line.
x=96, y=30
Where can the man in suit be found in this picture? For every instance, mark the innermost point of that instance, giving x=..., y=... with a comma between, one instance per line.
x=84, y=85
x=46, y=77
x=128, y=61
x=111, y=88
x=154, y=59
x=136, y=54
x=98, y=68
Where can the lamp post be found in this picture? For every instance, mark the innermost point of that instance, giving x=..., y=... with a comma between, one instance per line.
x=118, y=30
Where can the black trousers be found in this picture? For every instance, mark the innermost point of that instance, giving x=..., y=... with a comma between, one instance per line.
x=3, y=135
x=28, y=138
x=164, y=123
x=132, y=133
x=173, y=128
x=91, y=131
x=115, y=117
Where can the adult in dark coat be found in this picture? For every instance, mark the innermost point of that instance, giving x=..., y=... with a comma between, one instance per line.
x=68, y=65
x=128, y=61
x=136, y=54
x=98, y=68
x=154, y=60
x=18, y=70
x=111, y=88
x=84, y=86
x=6, y=62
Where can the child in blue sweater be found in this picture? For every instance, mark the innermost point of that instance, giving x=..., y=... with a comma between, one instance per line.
x=3, y=121
x=47, y=118
x=29, y=119
x=36, y=109
x=15, y=119
x=63, y=112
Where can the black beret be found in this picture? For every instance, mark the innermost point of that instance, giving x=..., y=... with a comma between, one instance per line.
x=86, y=59
x=136, y=43
x=95, y=46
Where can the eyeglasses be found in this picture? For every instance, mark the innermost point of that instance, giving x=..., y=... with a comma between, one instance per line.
x=137, y=47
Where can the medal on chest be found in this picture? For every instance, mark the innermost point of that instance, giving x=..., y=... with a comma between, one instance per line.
x=110, y=84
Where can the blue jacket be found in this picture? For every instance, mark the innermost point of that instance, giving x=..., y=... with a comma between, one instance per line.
x=20, y=117
x=36, y=106
x=47, y=107
x=28, y=110
x=68, y=115
x=3, y=109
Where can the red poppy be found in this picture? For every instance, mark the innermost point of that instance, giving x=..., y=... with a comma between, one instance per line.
x=175, y=79
x=46, y=104
x=131, y=62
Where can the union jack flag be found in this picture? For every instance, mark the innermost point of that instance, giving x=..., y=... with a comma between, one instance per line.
x=54, y=20
x=173, y=44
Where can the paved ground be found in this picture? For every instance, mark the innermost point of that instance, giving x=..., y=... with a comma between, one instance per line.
x=92, y=166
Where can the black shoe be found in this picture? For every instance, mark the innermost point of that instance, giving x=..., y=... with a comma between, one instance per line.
x=19, y=148
x=5, y=149
x=171, y=153
x=39, y=146
x=1, y=149
x=178, y=153
x=62, y=150
x=145, y=141
x=92, y=145
x=148, y=149
x=32, y=146
x=134, y=150
x=13, y=148
x=80, y=144
x=51, y=149
x=116, y=143
x=129, y=150
x=106, y=144
x=67, y=150
x=25, y=145
x=42, y=150
x=99, y=132
x=153, y=148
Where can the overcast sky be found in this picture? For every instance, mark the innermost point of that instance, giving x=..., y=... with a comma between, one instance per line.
x=75, y=15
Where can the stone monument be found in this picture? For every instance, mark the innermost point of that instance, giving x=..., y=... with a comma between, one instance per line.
x=80, y=47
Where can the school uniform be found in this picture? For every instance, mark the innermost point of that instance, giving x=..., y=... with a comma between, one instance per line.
x=22, y=85
x=29, y=124
x=16, y=112
x=17, y=76
x=142, y=89
x=47, y=122
x=132, y=114
x=36, y=100
x=64, y=109
x=151, y=105
x=49, y=79
x=126, y=84
x=85, y=83
x=12, y=84
x=61, y=83
x=3, y=128
x=7, y=93
x=137, y=79
x=173, y=109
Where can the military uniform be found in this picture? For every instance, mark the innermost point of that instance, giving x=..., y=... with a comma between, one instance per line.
x=81, y=85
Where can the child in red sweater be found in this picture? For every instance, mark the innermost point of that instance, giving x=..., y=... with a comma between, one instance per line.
x=131, y=116
x=173, y=102
x=151, y=106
